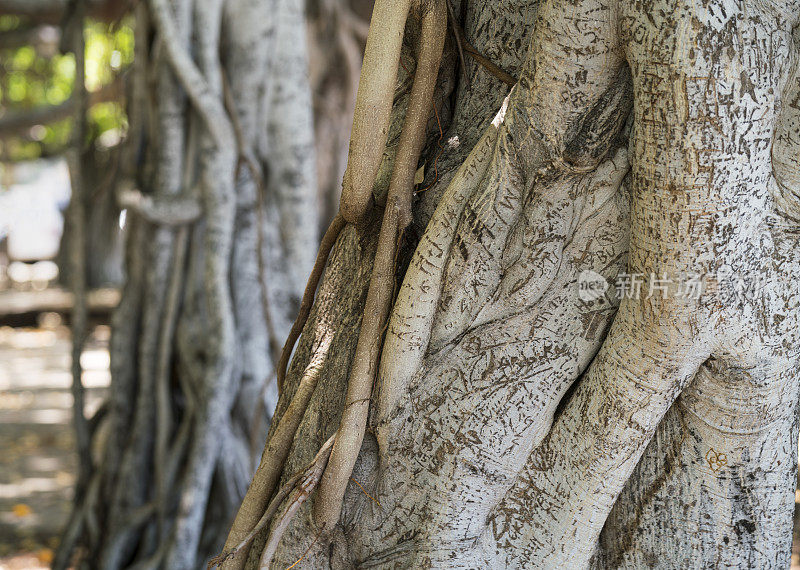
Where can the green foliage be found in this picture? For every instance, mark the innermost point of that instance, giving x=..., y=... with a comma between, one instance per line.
x=36, y=75
x=9, y=22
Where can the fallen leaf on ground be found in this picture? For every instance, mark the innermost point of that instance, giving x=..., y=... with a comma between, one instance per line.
x=21, y=510
x=45, y=555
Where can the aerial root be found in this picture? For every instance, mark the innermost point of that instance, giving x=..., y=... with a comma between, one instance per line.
x=333, y=466
x=373, y=106
x=300, y=486
x=248, y=158
x=273, y=459
x=397, y=216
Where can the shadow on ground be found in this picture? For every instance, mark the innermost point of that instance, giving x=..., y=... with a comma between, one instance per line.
x=37, y=446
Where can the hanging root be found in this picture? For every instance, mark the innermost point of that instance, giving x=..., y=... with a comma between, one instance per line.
x=373, y=106
x=307, y=485
x=303, y=483
x=328, y=506
x=368, y=140
x=325, y=247
x=465, y=47
x=206, y=103
x=334, y=463
x=248, y=158
x=272, y=461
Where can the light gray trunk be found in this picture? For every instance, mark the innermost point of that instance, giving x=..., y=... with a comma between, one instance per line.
x=104, y=239
x=515, y=423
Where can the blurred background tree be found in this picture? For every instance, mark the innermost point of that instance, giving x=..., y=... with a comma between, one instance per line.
x=37, y=80
x=198, y=188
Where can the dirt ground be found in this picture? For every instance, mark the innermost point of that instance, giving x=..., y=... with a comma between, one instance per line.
x=36, y=439
x=37, y=454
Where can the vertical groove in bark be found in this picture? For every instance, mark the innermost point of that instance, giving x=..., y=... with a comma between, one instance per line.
x=500, y=31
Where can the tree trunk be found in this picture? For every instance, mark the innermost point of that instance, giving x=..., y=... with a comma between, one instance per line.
x=530, y=408
x=218, y=179
x=105, y=240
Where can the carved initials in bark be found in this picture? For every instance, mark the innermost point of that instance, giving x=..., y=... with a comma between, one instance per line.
x=456, y=434
x=481, y=456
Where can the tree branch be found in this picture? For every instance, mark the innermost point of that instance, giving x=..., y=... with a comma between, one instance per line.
x=172, y=211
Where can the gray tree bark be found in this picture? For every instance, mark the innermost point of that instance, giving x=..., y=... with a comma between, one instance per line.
x=515, y=422
x=104, y=258
x=218, y=178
